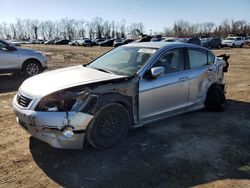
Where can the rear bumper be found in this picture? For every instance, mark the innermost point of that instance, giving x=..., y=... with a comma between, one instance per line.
x=49, y=126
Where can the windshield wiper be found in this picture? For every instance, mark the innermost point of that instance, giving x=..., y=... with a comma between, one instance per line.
x=103, y=70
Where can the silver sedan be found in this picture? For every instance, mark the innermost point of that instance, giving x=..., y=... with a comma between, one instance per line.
x=15, y=59
x=127, y=87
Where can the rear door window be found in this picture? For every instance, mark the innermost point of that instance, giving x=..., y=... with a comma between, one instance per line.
x=200, y=57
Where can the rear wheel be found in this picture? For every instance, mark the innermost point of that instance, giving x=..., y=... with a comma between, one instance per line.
x=215, y=100
x=219, y=46
x=108, y=127
x=31, y=68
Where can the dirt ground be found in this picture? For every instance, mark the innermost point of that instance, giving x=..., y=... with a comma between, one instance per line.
x=198, y=149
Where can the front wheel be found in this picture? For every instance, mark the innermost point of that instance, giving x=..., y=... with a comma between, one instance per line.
x=108, y=127
x=31, y=68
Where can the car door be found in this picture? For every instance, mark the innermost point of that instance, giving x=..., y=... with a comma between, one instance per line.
x=8, y=58
x=167, y=94
x=199, y=74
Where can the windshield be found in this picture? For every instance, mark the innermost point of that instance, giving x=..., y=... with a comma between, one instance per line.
x=230, y=38
x=123, y=60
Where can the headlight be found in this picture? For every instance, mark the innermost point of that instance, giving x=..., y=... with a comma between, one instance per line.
x=59, y=101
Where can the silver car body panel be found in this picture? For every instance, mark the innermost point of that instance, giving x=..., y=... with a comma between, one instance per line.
x=9, y=60
x=163, y=95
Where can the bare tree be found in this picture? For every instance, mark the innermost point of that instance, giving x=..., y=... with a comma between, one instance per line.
x=181, y=28
x=35, y=26
x=136, y=29
x=107, y=29
x=98, y=26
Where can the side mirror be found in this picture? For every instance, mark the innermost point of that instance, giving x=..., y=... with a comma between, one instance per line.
x=157, y=71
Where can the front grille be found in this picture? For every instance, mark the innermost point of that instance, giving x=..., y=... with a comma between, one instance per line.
x=23, y=101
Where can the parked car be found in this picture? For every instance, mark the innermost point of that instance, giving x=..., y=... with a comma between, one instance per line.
x=14, y=43
x=52, y=41
x=15, y=59
x=86, y=42
x=127, y=87
x=194, y=40
x=211, y=43
x=156, y=39
x=97, y=41
x=233, y=42
x=122, y=42
x=108, y=42
x=118, y=42
x=247, y=40
x=169, y=39
x=62, y=42
x=74, y=43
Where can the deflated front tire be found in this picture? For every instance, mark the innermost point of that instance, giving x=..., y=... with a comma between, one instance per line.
x=108, y=127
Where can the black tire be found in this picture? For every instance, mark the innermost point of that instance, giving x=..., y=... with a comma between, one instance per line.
x=108, y=127
x=219, y=46
x=215, y=100
x=233, y=46
x=241, y=45
x=31, y=68
x=209, y=47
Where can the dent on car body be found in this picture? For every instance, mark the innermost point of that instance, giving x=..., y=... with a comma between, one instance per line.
x=119, y=90
x=213, y=75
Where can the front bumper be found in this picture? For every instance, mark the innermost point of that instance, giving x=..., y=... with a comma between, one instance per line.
x=49, y=126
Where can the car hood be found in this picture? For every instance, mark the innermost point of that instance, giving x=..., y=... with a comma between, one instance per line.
x=49, y=82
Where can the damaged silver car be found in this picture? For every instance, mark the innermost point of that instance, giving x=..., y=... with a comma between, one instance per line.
x=125, y=88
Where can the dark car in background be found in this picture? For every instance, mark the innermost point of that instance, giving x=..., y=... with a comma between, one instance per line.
x=108, y=42
x=62, y=42
x=194, y=40
x=119, y=42
x=211, y=43
x=86, y=42
x=52, y=41
x=97, y=41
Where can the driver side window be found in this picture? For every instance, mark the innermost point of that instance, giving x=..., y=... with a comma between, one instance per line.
x=172, y=61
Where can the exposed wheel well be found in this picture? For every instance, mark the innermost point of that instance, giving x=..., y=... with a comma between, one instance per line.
x=125, y=101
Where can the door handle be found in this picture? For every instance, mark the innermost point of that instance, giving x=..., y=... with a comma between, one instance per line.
x=182, y=79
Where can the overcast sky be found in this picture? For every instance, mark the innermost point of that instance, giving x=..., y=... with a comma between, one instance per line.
x=155, y=14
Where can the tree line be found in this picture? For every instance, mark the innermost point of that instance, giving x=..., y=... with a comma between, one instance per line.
x=25, y=29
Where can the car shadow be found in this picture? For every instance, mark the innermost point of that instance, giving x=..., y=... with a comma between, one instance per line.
x=10, y=82
x=183, y=151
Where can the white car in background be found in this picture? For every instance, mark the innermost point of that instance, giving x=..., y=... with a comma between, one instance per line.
x=233, y=42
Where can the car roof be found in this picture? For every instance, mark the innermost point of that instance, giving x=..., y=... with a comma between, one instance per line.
x=161, y=44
